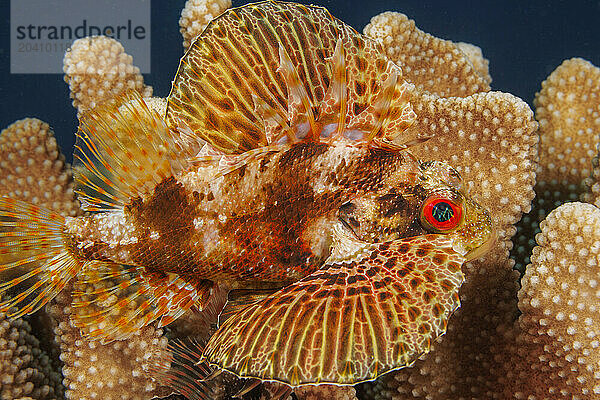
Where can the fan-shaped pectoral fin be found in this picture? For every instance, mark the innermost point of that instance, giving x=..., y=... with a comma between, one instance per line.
x=370, y=309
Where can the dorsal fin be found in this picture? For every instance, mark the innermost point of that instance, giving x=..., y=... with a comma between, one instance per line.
x=121, y=153
x=270, y=72
x=335, y=99
x=300, y=107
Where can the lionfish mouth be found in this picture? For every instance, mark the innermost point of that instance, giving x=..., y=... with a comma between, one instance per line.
x=477, y=235
x=482, y=250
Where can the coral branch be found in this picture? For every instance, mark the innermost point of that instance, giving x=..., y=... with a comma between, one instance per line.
x=98, y=70
x=196, y=15
x=556, y=351
x=435, y=65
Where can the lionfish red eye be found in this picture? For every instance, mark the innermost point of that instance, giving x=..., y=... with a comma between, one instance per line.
x=441, y=213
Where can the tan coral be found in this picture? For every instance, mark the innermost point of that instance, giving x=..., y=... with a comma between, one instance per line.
x=326, y=392
x=32, y=168
x=98, y=70
x=435, y=65
x=478, y=61
x=568, y=109
x=25, y=370
x=196, y=15
x=310, y=392
x=556, y=355
x=592, y=194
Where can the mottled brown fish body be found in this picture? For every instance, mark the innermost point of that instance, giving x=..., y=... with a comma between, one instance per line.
x=268, y=220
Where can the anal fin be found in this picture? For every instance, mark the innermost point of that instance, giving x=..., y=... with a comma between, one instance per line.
x=370, y=309
x=111, y=301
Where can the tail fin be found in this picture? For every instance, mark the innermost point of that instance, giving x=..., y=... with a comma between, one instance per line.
x=35, y=261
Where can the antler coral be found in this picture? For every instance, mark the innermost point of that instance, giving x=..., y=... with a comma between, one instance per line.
x=196, y=15
x=568, y=109
x=435, y=65
x=556, y=349
x=98, y=70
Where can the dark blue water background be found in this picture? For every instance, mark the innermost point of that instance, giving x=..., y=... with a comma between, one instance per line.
x=524, y=41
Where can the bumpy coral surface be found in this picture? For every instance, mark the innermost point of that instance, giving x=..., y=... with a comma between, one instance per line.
x=568, y=109
x=326, y=392
x=32, y=168
x=196, y=15
x=98, y=70
x=435, y=65
x=478, y=61
x=592, y=194
x=25, y=370
x=556, y=353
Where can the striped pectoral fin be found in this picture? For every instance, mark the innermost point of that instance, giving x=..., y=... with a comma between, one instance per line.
x=372, y=308
x=112, y=301
x=35, y=260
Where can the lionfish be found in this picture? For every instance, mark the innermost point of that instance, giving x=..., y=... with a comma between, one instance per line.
x=279, y=173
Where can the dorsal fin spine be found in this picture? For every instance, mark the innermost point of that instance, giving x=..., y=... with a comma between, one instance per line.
x=383, y=101
x=296, y=88
x=339, y=83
